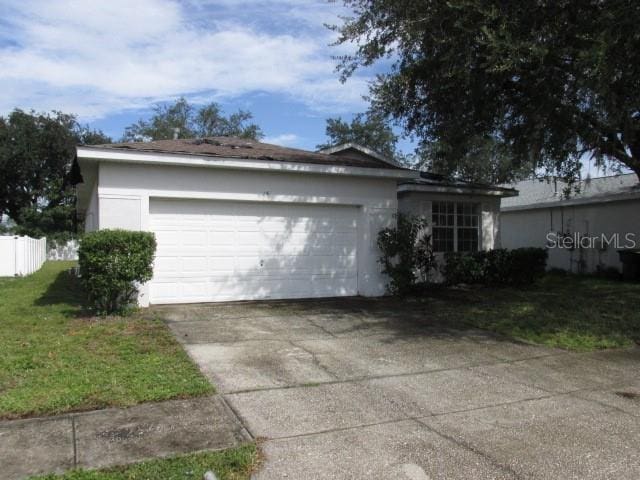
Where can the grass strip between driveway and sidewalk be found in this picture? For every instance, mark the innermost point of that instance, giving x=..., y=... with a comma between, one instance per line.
x=579, y=313
x=55, y=360
x=232, y=464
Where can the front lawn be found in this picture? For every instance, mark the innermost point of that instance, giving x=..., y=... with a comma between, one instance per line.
x=56, y=360
x=233, y=464
x=574, y=312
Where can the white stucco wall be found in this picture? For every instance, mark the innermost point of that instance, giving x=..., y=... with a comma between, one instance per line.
x=529, y=228
x=124, y=191
x=91, y=215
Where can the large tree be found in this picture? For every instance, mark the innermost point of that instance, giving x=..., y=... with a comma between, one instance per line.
x=369, y=131
x=484, y=161
x=547, y=81
x=36, y=156
x=188, y=121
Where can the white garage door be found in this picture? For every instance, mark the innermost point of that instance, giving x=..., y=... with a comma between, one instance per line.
x=217, y=251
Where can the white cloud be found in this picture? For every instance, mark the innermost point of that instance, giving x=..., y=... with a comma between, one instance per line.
x=95, y=58
x=285, y=139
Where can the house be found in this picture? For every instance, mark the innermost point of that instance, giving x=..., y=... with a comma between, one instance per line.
x=237, y=219
x=582, y=231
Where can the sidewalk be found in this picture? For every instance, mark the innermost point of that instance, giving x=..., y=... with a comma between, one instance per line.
x=105, y=438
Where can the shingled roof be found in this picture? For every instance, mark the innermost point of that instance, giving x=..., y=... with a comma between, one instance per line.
x=233, y=147
x=539, y=193
x=434, y=182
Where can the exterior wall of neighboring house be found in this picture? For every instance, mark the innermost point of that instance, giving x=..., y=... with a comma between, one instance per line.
x=125, y=191
x=529, y=227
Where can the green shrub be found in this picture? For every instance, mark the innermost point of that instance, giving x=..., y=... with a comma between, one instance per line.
x=608, y=272
x=461, y=268
x=406, y=254
x=527, y=265
x=112, y=264
x=521, y=266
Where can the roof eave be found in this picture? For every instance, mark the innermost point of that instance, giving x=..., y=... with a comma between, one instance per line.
x=457, y=189
x=192, y=160
x=619, y=197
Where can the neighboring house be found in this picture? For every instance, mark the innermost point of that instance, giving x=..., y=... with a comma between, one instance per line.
x=583, y=231
x=237, y=219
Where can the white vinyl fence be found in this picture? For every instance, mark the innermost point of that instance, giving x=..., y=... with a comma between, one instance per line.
x=64, y=251
x=21, y=255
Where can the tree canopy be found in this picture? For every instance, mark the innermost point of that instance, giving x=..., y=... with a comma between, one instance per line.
x=189, y=121
x=543, y=82
x=369, y=131
x=36, y=155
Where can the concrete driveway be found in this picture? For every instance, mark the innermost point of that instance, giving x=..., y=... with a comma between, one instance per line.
x=371, y=389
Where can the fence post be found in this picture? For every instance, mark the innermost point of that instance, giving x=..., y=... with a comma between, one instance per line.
x=43, y=250
x=19, y=259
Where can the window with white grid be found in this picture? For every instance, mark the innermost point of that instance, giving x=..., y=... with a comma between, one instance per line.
x=455, y=226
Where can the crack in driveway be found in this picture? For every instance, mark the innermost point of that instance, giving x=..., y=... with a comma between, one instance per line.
x=372, y=391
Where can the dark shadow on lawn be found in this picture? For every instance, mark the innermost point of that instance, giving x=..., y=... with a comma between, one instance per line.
x=65, y=289
x=571, y=307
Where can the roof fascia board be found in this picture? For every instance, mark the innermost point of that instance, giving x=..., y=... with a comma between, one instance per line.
x=113, y=155
x=456, y=190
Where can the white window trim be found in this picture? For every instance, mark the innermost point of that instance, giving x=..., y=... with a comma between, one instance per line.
x=455, y=223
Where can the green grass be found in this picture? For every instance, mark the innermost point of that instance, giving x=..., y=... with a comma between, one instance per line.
x=578, y=313
x=232, y=464
x=54, y=360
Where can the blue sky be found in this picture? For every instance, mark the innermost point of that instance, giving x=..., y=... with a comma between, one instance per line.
x=110, y=61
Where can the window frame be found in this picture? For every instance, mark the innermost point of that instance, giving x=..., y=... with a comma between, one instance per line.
x=455, y=226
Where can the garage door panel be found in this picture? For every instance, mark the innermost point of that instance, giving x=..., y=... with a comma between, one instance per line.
x=218, y=251
x=164, y=265
x=221, y=239
x=333, y=287
x=194, y=238
x=221, y=264
x=166, y=238
x=345, y=238
x=195, y=290
x=333, y=262
x=249, y=237
x=195, y=265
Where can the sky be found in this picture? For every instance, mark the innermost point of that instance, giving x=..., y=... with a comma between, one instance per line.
x=110, y=61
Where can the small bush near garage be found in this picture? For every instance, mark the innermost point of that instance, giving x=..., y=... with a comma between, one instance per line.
x=112, y=264
x=521, y=266
x=407, y=256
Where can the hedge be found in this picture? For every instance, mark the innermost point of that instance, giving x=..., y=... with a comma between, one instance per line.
x=112, y=265
x=521, y=266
